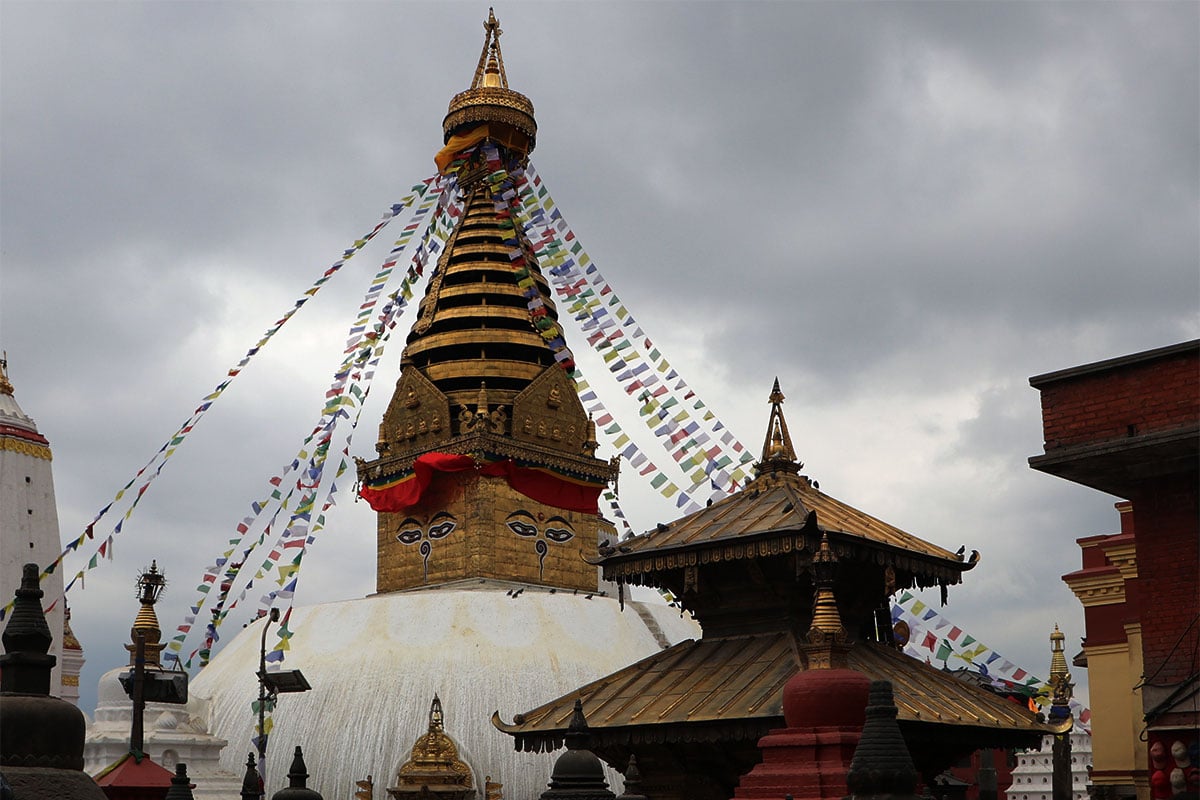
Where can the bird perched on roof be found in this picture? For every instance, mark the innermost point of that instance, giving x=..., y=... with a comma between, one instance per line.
x=959, y=552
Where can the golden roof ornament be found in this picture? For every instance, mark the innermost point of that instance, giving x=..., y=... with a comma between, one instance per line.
x=434, y=765
x=778, y=455
x=489, y=100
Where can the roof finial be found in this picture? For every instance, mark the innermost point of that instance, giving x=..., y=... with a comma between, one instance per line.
x=5, y=386
x=436, y=717
x=778, y=455
x=490, y=71
x=490, y=101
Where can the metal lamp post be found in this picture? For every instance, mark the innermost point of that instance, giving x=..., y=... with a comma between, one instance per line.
x=269, y=685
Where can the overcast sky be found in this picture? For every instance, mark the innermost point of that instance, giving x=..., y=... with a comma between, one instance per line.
x=903, y=211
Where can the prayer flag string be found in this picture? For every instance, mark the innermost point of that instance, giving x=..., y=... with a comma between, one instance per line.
x=348, y=390
x=168, y=449
x=933, y=637
x=665, y=397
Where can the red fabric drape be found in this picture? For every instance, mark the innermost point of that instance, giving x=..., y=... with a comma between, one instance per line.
x=535, y=484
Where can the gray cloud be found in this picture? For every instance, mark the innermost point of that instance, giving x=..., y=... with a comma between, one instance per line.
x=903, y=210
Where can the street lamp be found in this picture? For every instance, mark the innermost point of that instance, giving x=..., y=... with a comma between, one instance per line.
x=269, y=685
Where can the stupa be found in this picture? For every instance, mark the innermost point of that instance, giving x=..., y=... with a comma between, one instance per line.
x=486, y=485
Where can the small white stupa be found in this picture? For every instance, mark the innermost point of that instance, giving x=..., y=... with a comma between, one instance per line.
x=170, y=734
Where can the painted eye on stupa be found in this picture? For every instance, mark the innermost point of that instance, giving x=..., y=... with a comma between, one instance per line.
x=410, y=531
x=442, y=525
x=558, y=530
x=559, y=535
x=521, y=528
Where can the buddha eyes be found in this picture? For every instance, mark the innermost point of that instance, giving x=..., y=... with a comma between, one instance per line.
x=521, y=528
x=559, y=534
x=411, y=529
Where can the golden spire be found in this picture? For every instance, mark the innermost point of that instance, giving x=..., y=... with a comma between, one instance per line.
x=778, y=455
x=827, y=638
x=1058, y=659
x=5, y=386
x=489, y=100
x=825, y=619
x=490, y=71
x=1060, y=678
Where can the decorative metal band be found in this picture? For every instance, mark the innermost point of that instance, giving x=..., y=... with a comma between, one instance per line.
x=712, y=555
x=25, y=448
x=491, y=96
x=70, y=680
x=491, y=113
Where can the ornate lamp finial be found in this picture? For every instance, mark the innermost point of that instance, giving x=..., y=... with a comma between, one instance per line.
x=150, y=585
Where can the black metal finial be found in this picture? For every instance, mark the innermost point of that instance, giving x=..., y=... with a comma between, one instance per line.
x=181, y=785
x=633, y=781
x=578, y=772
x=25, y=667
x=298, y=774
x=250, y=784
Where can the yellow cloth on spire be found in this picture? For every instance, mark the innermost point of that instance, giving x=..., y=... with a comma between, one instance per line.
x=457, y=144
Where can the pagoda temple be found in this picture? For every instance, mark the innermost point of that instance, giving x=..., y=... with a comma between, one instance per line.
x=485, y=480
x=782, y=578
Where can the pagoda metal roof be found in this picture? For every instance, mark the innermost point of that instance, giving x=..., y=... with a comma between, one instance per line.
x=776, y=506
x=736, y=680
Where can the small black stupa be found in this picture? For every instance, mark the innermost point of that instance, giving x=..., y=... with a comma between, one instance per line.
x=41, y=737
x=578, y=773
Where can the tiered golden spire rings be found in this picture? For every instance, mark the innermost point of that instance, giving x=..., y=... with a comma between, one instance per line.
x=826, y=621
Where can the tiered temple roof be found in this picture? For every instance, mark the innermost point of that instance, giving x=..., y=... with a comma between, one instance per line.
x=748, y=568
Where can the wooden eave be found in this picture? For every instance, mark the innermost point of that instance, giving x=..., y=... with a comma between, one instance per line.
x=709, y=689
x=778, y=513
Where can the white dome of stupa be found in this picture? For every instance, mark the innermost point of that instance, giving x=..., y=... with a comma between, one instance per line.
x=374, y=665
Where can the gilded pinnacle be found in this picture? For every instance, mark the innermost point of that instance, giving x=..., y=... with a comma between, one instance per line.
x=5, y=386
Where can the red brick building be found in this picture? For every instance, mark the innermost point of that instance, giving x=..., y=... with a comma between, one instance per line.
x=1130, y=427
